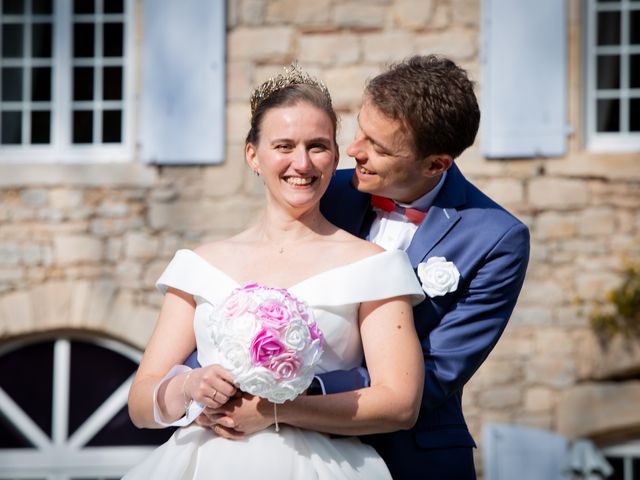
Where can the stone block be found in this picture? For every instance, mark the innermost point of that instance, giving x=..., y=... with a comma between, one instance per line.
x=65, y=198
x=496, y=371
x=594, y=410
x=34, y=197
x=455, y=43
x=70, y=249
x=541, y=420
x=558, y=193
x=239, y=85
x=301, y=14
x=505, y=191
x=329, y=49
x=251, y=12
x=273, y=44
x=51, y=302
x=553, y=370
x=152, y=273
x=359, y=16
x=347, y=84
x=466, y=12
x=413, y=14
x=141, y=246
x=539, y=399
x=531, y=316
x=595, y=285
x=10, y=254
x=387, y=47
x=16, y=314
x=542, y=292
x=500, y=397
x=554, y=226
x=597, y=221
x=227, y=178
x=113, y=209
x=238, y=122
x=513, y=345
x=129, y=274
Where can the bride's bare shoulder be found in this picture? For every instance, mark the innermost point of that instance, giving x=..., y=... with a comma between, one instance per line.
x=357, y=245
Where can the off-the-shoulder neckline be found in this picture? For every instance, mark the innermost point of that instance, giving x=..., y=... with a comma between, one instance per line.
x=315, y=276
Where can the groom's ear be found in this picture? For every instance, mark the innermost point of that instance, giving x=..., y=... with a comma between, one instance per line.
x=436, y=164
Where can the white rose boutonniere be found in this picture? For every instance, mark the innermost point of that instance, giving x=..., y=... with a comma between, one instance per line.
x=438, y=276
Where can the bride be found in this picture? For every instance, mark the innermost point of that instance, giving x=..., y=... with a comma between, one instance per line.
x=360, y=296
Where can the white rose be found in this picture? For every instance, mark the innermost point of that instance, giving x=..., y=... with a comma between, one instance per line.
x=257, y=381
x=242, y=328
x=283, y=392
x=235, y=357
x=438, y=276
x=296, y=335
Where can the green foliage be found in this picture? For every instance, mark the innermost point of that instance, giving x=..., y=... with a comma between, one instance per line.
x=621, y=314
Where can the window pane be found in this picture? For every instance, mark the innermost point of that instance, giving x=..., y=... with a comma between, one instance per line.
x=608, y=71
x=83, y=83
x=41, y=40
x=112, y=83
x=634, y=27
x=634, y=71
x=11, y=131
x=41, y=84
x=634, y=118
x=617, y=464
x=113, y=6
x=40, y=127
x=82, y=126
x=84, y=6
x=608, y=28
x=12, y=44
x=83, y=40
x=12, y=84
x=13, y=7
x=42, y=7
x=92, y=361
x=113, y=40
x=608, y=115
x=636, y=469
x=111, y=126
x=29, y=386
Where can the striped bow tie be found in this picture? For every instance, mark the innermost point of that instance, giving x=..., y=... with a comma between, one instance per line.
x=386, y=204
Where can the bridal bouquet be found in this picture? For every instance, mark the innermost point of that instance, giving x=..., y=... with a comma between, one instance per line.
x=268, y=340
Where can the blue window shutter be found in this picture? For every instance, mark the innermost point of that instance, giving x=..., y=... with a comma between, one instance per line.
x=523, y=453
x=524, y=78
x=183, y=81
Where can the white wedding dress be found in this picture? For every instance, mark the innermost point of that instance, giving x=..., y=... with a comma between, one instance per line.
x=334, y=296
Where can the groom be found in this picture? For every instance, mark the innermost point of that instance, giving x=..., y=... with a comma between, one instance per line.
x=416, y=118
x=469, y=253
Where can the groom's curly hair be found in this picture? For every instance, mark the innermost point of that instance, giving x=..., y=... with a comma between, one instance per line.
x=434, y=98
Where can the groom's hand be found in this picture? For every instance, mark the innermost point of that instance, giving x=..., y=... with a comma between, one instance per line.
x=240, y=416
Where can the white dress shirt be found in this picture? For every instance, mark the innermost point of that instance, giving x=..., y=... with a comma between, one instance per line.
x=392, y=230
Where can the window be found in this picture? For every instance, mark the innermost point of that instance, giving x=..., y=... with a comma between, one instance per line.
x=65, y=80
x=612, y=57
x=625, y=460
x=63, y=410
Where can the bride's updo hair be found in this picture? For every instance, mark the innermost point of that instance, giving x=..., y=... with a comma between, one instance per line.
x=284, y=90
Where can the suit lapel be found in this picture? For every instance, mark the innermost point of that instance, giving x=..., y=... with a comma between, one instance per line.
x=442, y=217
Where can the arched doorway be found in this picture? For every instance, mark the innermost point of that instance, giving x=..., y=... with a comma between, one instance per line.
x=63, y=413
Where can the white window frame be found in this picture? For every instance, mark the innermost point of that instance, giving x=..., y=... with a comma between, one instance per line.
x=627, y=451
x=623, y=141
x=64, y=457
x=61, y=148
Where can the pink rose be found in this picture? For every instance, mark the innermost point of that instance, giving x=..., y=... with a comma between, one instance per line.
x=237, y=304
x=265, y=345
x=285, y=366
x=273, y=314
x=315, y=333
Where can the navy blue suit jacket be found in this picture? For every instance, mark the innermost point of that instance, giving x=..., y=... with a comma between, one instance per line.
x=490, y=248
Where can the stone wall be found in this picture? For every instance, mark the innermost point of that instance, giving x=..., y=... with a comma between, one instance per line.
x=81, y=246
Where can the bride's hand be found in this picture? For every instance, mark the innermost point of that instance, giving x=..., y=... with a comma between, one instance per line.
x=211, y=386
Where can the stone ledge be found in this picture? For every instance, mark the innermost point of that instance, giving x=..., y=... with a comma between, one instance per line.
x=78, y=175
x=599, y=410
